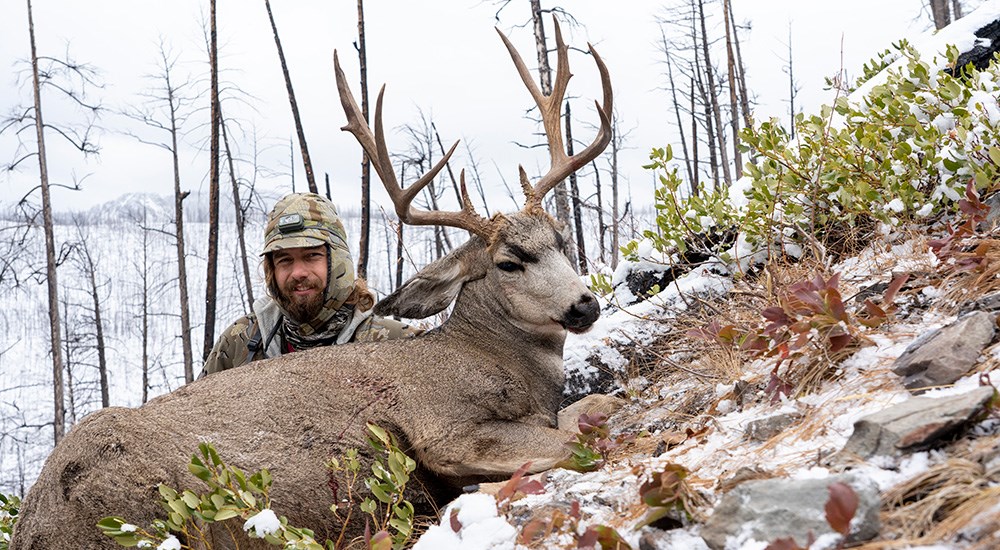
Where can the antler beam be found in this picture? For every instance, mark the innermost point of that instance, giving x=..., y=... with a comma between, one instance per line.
x=402, y=199
x=550, y=107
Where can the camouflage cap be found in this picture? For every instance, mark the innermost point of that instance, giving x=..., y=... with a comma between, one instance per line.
x=303, y=220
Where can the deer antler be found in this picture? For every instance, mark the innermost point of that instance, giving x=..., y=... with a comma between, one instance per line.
x=550, y=107
x=374, y=145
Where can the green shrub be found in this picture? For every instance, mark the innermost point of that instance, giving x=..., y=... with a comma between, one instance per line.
x=10, y=507
x=904, y=154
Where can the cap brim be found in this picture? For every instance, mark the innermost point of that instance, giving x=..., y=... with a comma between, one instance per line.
x=283, y=243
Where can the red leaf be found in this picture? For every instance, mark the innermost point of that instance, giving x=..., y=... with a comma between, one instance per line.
x=841, y=507
x=588, y=539
x=776, y=315
x=456, y=525
x=839, y=341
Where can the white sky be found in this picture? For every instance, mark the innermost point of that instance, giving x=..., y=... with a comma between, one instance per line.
x=443, y=57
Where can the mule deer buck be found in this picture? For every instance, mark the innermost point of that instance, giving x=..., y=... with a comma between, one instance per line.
x=471, y=400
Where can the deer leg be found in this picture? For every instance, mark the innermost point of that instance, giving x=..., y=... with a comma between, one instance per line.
x=497, y=450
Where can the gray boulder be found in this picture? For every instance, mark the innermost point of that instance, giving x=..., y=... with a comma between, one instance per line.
x=947, y=354
x=915, y=424
x=769, y=509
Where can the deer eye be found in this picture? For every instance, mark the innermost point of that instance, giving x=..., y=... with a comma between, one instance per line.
x=510, y=267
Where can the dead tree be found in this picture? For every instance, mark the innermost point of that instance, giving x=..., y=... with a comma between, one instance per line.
x=943, y=12
x=734, y=120
x=166, y=110
x=212, y=271
x=711, y=95
x=581, y=251
x=31, y=117
x=238, y=208
x=793, y=88
x=87, y=265
x=366, y=200
x=306, y=160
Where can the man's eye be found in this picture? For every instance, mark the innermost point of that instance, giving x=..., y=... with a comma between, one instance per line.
x=510, y=266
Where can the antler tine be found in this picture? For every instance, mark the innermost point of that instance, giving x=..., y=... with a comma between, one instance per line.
x=402, y=199
x=551, y=107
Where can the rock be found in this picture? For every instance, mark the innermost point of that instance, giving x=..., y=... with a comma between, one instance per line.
x=770, y=509
x=765, y=428
x=915, y=424
x=945, y=355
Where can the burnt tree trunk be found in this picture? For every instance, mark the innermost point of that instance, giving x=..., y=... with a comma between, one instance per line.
x=306, y=160
x=733, y=101
x=212, y=270
x=581, y=251
x=366, y=177
x=55, y=328
x=712, y=98
x=240, y=221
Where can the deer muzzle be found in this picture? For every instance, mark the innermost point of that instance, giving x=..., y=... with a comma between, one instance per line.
x=581, y=315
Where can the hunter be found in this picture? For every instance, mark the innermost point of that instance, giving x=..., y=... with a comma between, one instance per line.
x=313, y=298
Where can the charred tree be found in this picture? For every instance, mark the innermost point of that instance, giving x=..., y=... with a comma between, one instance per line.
x=366, y=178
x=240, y=218
x=167, y=111
x=581, y=252
x=212, y=271
x=87, y=266
x=732, y=85
x=303, y=147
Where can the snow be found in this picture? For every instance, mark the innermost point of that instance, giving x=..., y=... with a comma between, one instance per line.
x=481, y=527
x=932, y=46
x=262, y=524
x=171, y=543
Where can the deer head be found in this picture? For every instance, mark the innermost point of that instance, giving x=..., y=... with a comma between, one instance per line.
x=520, y=258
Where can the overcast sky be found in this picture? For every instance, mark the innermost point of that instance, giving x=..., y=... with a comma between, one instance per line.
x=441, y=57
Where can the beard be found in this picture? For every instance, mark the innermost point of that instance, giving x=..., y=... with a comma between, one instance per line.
x=301, y=309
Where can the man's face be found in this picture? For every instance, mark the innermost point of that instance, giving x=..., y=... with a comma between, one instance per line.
x=301, y=277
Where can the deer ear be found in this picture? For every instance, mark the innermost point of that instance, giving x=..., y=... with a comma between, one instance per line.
x=437, y=285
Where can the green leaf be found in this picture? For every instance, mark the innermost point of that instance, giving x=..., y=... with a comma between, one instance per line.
x=226, y=512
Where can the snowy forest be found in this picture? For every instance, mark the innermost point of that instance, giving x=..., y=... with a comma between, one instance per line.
x=111, y=302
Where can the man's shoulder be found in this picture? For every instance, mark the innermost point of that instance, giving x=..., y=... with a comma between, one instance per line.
x=377, y=329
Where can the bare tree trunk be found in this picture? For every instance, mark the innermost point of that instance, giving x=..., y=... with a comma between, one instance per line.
x=734, y=110
x=709, y=129
x=179, y=197
x=713, y=98
x=692, y=180
x=614, y=194
x=306, y=160
x=956, y=9
x=451, y=174
x=89, y=266
x=399, y=255
x=366, y=177
x=941, y=12
x=791, y=86
x=581, y=250
x=68, y=342
x=238, y=207
x=144, y=279
x=602, y=228
x=545, y=80
x=744, y=96
x=326, y=175
x=55, y=328
x=694, y=144
x=291, y=160
x=212, y=270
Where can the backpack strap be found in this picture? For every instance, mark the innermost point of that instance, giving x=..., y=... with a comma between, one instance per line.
x=256, y=343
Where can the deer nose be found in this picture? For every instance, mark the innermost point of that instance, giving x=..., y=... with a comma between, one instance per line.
x=582, y=314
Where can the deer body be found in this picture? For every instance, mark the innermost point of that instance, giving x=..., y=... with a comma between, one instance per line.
x=472, y=400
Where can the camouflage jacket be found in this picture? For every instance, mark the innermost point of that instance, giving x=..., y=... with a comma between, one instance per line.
x=232, y=349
